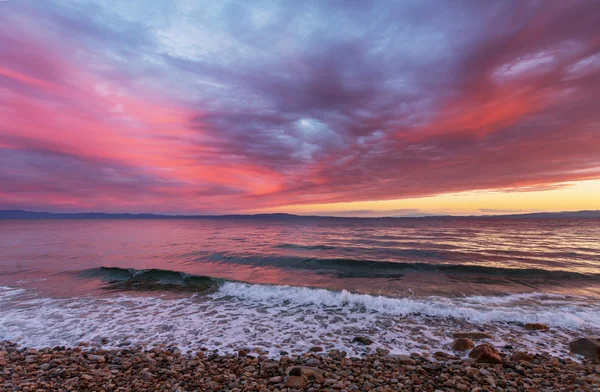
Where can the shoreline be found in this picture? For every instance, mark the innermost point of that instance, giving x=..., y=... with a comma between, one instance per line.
x=169, y=369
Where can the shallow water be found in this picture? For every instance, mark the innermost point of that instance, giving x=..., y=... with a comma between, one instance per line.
x=282, y=284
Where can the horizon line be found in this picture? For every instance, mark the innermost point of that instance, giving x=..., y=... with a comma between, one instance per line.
x=29, y=214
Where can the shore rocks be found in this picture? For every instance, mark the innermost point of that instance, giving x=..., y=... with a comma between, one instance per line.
x=521, y=356
x=403, y=359
x=306, y=371
x=475, y=335
x=536, y=327
x=298, y=382
x=442, y=356
x=485, y=353
x=313, y=362
x=586, y=346
x=136, y=369
x=462, y=344
x=362, y=340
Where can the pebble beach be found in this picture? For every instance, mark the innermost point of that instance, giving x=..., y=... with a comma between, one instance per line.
x=475, y=367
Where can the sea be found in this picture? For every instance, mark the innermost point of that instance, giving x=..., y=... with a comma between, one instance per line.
x=281, y=285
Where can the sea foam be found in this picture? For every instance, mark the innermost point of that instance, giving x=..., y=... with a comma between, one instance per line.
x=274, y=318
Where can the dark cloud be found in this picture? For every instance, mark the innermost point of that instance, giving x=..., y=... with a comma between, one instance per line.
x=324, y=101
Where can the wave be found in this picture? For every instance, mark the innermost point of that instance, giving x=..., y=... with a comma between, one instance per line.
x=305, y=247
x=349, y=268
x=148, y=279
x=276, y=318
x=552, y=309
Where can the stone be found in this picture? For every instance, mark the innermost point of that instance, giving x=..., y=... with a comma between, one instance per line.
x=536, y=327
x=440, y=355
x=306, y=371
x=275, y=380
x=316, y=349
x=86, y=377
x=403, y=359
x=97, y=358
x=243, y=352
x=485, y=353
x=475, y=335
x=298, y=382
x=382, y=351
x=462, y=344
x=266, y=365
x=147, y=376
x=521, y=356
x=313, y=362
x=362, y=340
x=585, y=346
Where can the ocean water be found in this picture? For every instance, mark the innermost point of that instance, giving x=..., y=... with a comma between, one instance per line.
x=284, y=285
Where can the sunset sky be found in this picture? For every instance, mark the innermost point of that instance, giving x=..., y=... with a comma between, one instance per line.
x=358, y=108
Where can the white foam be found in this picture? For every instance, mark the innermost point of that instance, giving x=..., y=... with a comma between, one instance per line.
x=566, y=311
x=277, y=318
x=7, y=292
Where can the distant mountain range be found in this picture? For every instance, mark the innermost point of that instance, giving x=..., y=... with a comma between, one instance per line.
x=21, y=214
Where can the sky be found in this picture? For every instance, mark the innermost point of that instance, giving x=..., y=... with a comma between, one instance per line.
x=355, y=108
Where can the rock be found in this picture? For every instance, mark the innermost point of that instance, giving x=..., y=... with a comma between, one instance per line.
x=440, y=356
x=472, y=335
x=147, y=376
x=329, y=382
x=462, y=344
x=536, y=327
x=362, y=340
x=275, y=380
x=298, y=382
x=586, y=347
x=403, y=359
x=554, y=361
x=306, y=371
x=382, y=351
x=313, y=362
x=521, y=356
x=97, y=358
x=316, y=349
x=485, y=353
x=31, y=358
x=243, y=352
x=266, y=365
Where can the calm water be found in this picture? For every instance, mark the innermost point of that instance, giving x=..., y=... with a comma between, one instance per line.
x=226, y=283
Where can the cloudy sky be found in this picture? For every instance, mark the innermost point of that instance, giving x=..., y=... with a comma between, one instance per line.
x=345, y=107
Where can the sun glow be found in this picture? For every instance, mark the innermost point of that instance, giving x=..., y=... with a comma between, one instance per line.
x=583, y=194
